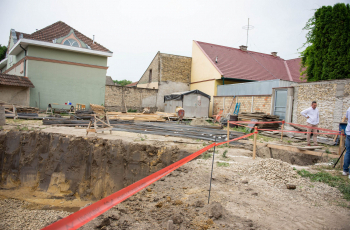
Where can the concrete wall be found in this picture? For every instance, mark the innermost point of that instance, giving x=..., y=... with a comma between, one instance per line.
x=155, y=67
x=332, y=97
x=17, y=70
x=169, y=87
x=14, y=95
x=62, y=55
x=117, y=97
x=60, y=83
x=249, y=104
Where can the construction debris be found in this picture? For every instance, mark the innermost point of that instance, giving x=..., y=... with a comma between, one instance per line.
x=260, y=117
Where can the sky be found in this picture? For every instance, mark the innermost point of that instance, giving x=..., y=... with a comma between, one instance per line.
x=136, y=30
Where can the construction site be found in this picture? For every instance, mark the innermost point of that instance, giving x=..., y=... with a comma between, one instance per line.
x=224, y=138
x=54, y=165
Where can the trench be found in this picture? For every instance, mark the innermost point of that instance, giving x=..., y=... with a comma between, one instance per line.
x=70, y=166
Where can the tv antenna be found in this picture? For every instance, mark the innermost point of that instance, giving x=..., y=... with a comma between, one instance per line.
x=247, y=28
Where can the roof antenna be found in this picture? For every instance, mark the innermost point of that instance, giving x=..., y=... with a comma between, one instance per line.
x=247, y=28
x=216, y=60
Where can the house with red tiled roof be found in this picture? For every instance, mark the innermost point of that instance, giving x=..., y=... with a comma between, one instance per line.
x=62, y=63
x=214, y=65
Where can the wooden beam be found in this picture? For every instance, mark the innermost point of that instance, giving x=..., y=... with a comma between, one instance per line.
x=295, y=149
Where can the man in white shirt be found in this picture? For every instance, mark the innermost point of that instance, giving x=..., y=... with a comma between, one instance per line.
x=347, y=145
x=313, y=118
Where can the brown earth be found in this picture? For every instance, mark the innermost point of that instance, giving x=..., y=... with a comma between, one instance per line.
x=250, y=194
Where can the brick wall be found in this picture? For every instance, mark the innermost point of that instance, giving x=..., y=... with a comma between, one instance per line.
x=248, y=104
x=134, y=98
x=332, y=97
x=175, y=68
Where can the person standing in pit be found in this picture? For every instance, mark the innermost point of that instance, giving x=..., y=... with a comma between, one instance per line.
x=347, y=145
x=313, y=118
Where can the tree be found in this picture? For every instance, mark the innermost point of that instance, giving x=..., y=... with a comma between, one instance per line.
x=327, y=55
x=3, y=50
x=123, y=82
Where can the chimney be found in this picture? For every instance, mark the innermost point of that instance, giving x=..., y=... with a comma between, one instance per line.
x=243, y=48
x=216, y=60
x=93, y=40
x=274, y=54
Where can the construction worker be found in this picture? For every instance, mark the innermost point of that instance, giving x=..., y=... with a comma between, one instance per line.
x=347, y=145
x=313, y=118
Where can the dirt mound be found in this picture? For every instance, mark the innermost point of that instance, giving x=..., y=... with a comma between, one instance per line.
x=199, y=122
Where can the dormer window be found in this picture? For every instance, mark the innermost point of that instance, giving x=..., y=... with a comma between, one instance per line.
x=71, y=42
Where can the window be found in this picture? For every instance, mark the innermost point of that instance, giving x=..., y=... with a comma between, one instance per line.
x=150, y=76
x=71, y=42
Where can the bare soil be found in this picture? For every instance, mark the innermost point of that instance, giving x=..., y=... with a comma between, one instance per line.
x=245, y=194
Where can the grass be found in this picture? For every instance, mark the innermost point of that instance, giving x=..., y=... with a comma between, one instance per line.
x=342, y=183
x=25, y=128
x=206, y=155
x=222, y=164
x=224, y=154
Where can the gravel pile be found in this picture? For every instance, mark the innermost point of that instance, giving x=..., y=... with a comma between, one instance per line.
x=275, y=172
x=14, y=216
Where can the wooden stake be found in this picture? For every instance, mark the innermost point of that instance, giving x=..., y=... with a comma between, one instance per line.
x=228, y=130
x=254, y=144
x=282, y=131
x=341, y=147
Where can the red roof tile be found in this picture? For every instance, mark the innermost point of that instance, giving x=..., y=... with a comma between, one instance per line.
x=247, y=65
x=294, y=68
x=132, y=84
x=58, y=30
x=14, y=80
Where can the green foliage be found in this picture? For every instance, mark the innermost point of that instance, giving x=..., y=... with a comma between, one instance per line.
x=3, y=50
x=123, y=82
x=334, y=181
x=132, y=110
x=327, y=53
x=224, y=154
x=206, y=155
x=222, y=164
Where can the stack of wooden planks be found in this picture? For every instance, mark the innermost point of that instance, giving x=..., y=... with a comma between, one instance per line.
x=139, y=116
x=21, y=109
x=260, y=117
x=99, y=110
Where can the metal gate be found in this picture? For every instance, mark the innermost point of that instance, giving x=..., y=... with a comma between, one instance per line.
x=280, y=105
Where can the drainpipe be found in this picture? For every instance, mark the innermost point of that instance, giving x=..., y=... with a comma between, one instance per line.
x=25, y=55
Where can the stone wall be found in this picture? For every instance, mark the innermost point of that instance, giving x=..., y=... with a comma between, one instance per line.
x=249, y=104
x=175, y=68
x=332, y=97
x=119, y=97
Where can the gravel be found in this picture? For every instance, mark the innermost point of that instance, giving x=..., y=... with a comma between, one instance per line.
x=13, y=215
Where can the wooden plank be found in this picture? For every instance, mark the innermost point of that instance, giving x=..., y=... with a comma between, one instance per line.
x=310, y=147
x=295, y=149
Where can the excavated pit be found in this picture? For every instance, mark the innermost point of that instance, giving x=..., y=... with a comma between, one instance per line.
x=88, y=168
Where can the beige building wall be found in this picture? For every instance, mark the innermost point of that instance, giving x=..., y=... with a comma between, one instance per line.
x=204, y=75
x=151, y=82
x=15, y=95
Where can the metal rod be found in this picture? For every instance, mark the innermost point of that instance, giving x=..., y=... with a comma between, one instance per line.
x=247, y=32
x=339, y=158
x=211, y=176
